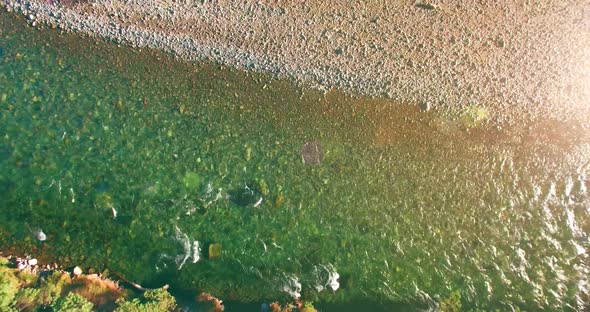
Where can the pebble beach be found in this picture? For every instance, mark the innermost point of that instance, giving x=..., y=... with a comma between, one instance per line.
x=521, y=61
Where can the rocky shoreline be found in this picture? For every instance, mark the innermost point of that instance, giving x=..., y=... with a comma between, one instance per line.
x=28, y=285
x=521, y=61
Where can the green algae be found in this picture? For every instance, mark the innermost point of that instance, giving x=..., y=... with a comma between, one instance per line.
x=473, y=116
x=214, y=251
x=191, y=181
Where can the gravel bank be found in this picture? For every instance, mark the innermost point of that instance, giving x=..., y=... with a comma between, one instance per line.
x=522, y=60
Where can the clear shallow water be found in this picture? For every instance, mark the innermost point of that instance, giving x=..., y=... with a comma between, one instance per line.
x=406, y=206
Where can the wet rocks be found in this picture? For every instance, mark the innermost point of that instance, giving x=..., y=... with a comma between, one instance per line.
x=214, y=304
x=39, y=234
x=24, y=263
x=77, y=271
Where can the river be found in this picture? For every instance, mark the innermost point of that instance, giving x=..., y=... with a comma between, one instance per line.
x=252, y=188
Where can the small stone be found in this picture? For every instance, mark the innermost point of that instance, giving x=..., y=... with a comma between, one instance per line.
x=425, y=106
x=40, y=235
x=33, y=261
x=77, y=271
x=425, y=6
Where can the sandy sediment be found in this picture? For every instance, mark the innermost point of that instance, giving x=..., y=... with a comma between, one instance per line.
x=522, y=60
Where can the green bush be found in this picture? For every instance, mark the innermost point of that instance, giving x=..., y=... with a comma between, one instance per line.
x=451, y=303
x=72, y=303
x=53, y=287
x=156, y=300
x=9, y=284
x=27, y=299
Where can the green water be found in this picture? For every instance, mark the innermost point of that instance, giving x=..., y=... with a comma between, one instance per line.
x=406, y=206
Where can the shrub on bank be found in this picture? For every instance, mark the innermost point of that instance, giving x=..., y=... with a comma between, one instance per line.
x=59, y=292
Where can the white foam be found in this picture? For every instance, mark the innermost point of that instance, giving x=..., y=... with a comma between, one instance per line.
x=189, y=249
x=292, y=286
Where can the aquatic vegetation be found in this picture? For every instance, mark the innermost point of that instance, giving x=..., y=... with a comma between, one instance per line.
x=214, y=251
x=473, y=116
x=279, y=200
x=262, y=187
x=191, y=181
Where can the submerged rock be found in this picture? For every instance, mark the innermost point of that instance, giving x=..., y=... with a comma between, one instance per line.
x=39, y=234
x=245, y=195
x=312, y=154
x=264, y=307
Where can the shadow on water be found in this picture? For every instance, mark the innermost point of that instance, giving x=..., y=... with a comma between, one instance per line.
x=132, y=161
